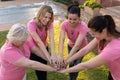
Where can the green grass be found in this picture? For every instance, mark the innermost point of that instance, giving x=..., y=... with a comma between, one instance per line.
x=99, y=73
x=2, y=37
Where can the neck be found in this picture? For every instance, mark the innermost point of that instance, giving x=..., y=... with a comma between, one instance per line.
x=110, y=38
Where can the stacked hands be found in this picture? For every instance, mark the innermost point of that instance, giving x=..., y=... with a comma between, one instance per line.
x=59, y=64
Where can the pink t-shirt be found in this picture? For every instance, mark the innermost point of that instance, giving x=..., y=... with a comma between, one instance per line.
x=111, y=53
x=8, y=55
x=72, y=36
x=33, y=27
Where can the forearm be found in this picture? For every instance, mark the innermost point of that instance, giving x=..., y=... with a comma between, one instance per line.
x=43, y=48
x=60, y=51
x=88, y=48
x=61, y=43
x=39, y=66
x=52, y=44
x=25, y=62
x=92, y=63
x=76, y=68
x=74, y=50
x=79, y=54
x=40, y=44
x=37, y=51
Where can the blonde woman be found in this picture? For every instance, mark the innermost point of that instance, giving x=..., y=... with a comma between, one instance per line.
x=39, y=27
x=15, y=53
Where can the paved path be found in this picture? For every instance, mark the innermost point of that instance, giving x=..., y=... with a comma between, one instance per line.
x=21, y=11
x=114, y=11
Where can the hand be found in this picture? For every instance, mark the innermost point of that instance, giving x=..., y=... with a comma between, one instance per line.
x=65, y=64
x=61, y=71
x=60, y=62
x=53, y=61
x=53, y=69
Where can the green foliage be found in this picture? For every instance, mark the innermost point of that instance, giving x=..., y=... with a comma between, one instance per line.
x=6, y=0
x=66, y=2
x=92, y=4
x=2, y=37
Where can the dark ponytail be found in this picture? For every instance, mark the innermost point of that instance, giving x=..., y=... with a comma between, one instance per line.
x=74, y=9
x=111, y=27
x=98, y=23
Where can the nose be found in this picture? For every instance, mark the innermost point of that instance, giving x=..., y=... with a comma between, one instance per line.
x=47, y=19
x=71, y=21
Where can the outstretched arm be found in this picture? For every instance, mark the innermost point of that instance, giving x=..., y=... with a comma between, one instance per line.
x=37, y=51
x=40, y=44
x=92, y=45
x=25, y=62
x=61, y=45
x=94, y=62
x=52, y=44
x=77, y=45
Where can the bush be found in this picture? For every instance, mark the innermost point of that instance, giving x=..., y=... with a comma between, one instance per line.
x=6, y=0
x=66, y=2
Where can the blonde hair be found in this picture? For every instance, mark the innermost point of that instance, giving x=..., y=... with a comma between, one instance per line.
x=41, y=13
x=18, y=32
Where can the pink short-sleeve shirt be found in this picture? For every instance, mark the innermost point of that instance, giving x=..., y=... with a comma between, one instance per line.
x=111, y=53
x=72, y=36
x=33, y=27
x=8, y=55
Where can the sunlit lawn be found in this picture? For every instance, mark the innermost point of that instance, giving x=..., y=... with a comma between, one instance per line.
x=99, y=73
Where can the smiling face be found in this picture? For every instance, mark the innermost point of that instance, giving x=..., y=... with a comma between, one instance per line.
x=44, y=16
x=46, y=19
x=73, y=19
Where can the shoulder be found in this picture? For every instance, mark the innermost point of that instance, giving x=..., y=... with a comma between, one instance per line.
x=83, y=24
x=31, y=23
x=112, y=50
x=65, y=22
x=83, y=27
x=115, y=43
x=8, y=49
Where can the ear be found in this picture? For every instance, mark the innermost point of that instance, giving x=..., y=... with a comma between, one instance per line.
x=104, y=30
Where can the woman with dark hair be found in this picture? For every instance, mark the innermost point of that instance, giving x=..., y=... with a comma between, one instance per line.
x=76, y=31
x=107, y=38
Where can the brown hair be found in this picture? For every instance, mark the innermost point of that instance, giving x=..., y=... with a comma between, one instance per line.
x=41, y=13
x=98, y=23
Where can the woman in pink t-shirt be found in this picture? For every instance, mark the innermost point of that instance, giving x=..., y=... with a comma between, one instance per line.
x=15, y=53
x=107, y=38
x=76, y=32
x=39, y=27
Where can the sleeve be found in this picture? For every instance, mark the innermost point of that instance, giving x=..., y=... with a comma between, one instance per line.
x=63, y=26
x=11, y=56
x=30, y=44
x=83, y=29
x=110, y=53
x=31, y=27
